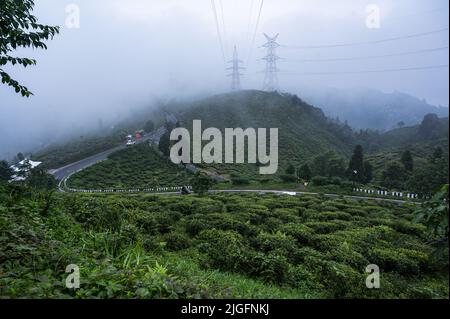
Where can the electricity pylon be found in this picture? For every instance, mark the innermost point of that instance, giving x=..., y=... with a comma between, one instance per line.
x=271, y=71
x=235, y=75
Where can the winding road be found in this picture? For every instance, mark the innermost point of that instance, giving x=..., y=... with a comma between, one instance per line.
x=63, y=173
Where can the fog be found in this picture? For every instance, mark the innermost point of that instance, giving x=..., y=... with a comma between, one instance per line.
x=130, y=54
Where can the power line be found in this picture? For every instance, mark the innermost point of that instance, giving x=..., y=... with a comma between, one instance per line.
x=218, y=30
x=250, y=15
x=367, y=57
x=225, y=37
x=411, y=36
x=370, y=71
x=256, y=30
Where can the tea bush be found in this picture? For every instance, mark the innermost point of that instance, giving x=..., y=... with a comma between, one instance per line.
x=216, y=246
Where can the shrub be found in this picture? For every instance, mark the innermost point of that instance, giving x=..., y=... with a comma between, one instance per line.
x=195, y=226
x=288, y=178
x=303, y=234
x=277, y=241
x=328, y=216
x=344, y=253
x=176, y=241
x=341, y=280
x=271, y=267
x=320, y=181
x=336, y=181
x=401, y=260
x=240, y=181
x=223, y=249
x=301, y=278
x=326, y=227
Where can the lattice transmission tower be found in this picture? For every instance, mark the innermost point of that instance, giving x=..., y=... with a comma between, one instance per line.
x=236, y=71
x=271, y=71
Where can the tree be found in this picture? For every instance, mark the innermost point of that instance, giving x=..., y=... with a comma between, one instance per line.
x=20, y=29
x=434, y=213
x=20, y=157
x=393, y=176
x=368, y=172
x=201, y=183
x=356, y=165
x=149, y=126
x=400, y=124
x=437, y=155
x=304, y=172
x=407, y=160
x=5, y=171
x=328, y=164
x=429, y=178
x=290, y=170
x=39, y=179
x=164, y=144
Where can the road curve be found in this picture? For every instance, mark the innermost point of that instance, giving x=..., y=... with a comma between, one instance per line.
x=64, y=172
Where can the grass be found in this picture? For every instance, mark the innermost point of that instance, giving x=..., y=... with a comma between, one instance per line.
x=216, y=246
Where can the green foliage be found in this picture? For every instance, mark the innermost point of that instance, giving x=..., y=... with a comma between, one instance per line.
x=323, y=181
x=289, y=178
x=240, y=181
x=290, y=170
x=304, y=172
x=407, y=161
x=394, y=176
x=40, y=179
x=20, y=29
x=329, y=164
x=356, y=165
x=202, y=183
x=5, y=171
x=165, y=144
x=138, y=166
x=434, y=213
x=219, y=246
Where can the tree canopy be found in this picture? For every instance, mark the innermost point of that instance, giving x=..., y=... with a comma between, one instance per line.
x=20, y=29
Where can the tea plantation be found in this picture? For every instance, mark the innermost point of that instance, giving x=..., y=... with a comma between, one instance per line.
x=140, y=166
x=218, y=246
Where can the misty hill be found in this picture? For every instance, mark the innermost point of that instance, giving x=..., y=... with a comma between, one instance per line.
x=304, y=130
x=367, y=108
x=304, y=133
x=421, y=140
x=433, y=130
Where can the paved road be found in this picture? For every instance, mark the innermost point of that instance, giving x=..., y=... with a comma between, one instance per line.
x=63, y=173
x=66, y=171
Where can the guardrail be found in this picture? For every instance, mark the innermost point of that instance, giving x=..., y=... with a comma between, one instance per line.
x=386, y=193
x=154, y=190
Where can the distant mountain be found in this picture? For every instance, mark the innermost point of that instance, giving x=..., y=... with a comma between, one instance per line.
x=372, y=109
x=421, y=140
x=432, y=130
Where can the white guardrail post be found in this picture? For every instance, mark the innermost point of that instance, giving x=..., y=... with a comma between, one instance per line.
x=386, y=193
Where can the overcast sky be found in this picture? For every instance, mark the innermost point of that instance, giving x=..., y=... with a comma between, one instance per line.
x=129, y=53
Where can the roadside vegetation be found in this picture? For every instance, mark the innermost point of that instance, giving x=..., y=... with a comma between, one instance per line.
x=140, y=166
x=214, y=246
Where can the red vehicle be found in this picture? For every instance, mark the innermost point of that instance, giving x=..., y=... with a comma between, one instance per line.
x=138, y=135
